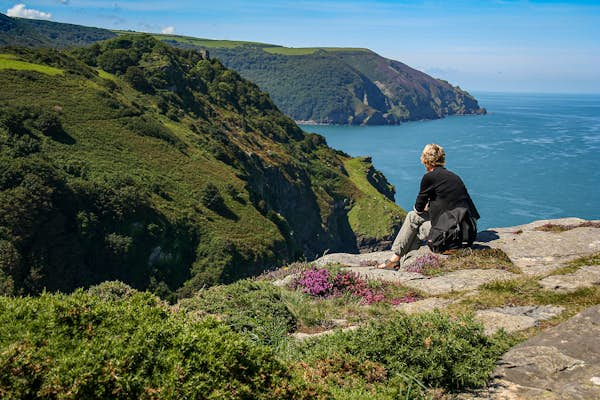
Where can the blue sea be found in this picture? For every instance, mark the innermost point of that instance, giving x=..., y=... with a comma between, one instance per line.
x=533, y=156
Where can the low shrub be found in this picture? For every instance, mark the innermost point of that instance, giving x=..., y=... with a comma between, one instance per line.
x=81, y=347
x=211, y=197
x=432, y=348
x=112, y=291
x=254, y=307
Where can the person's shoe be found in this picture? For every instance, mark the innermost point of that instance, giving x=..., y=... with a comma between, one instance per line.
x=449, y=252
x=389, y=265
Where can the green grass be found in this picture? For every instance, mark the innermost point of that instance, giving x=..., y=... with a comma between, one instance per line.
x=372, y=214
x=201, y=42
x=9, y=61
x=303, y=51
x=526, y=291
x=574, y=265
x=106, y=75
x=474, y=259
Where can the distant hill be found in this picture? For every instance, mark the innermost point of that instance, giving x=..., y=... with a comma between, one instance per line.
x=37, y=33
x=318, y=85
x=134, y=160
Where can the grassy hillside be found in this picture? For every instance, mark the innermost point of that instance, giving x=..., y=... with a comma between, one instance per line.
x=318, y=84
x=133, y=160
x=38, y=33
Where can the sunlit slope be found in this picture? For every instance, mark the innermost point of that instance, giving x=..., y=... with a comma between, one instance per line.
x=156, y=166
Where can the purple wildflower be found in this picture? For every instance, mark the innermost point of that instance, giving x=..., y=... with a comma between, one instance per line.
x=424, y=262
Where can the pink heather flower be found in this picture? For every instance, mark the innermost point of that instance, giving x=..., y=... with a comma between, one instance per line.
x=422, y=263
x=320, y=283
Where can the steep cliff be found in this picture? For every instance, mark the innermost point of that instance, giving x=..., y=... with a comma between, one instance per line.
x=133, y=160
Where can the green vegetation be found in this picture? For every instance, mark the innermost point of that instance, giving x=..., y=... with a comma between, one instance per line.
x=9, y=61
x=433, y=265
x=526, y=291
x=321, y=84
x=574, y=265
x=83, y=346
x=113, y=341
x=302, y=51
x=38, y=33
x=159, y=168
x=253, y=307
x=372, y=215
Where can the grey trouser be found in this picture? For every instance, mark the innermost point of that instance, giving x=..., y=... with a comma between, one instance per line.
x=414, y=230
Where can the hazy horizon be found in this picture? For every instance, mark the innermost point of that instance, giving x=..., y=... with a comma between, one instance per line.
x=503, y=46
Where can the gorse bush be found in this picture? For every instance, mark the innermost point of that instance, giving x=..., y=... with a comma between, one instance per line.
x=84, y=347
x=254, y=307
x=432, y=348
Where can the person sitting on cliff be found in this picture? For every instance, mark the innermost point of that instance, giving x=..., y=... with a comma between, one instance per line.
x=444, y=214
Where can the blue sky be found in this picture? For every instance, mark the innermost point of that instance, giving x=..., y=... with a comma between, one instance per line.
x=503, y=45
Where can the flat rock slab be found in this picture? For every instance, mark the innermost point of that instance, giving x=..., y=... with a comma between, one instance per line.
x=513, y=319
x=461, y=280
x=584, y=277
x=425, y=305
x=385, y=275
x=355, y=260
x=562, y=362
x=538, y=252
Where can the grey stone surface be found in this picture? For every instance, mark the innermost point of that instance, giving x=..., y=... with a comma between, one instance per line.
x=385, y=275
x=493, y=321
x=535, y=312
x=355, y=260
x=461, y=280
x=562, y=362
x=537, y=252
x=513, y=319
x=584, y=277
x=425, y=305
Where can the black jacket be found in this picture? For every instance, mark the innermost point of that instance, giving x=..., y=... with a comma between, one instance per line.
x=449, y=201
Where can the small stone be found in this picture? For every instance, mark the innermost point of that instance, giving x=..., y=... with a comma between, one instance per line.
x=595, y=380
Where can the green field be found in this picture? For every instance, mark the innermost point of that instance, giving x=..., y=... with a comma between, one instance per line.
x=201, y=42
x=302, y=51
x=9, y=61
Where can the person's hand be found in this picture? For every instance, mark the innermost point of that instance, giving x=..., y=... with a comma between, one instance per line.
x=426, y=209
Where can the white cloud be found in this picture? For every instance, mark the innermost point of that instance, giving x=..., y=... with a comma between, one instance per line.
x=21, y=11
x=169, y=30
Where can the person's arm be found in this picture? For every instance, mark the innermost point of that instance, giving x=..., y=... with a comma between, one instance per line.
x=423, y=196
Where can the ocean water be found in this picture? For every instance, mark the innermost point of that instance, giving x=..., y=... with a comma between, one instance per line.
x=534, y=156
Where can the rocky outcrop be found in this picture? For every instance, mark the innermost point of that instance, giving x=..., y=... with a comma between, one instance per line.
x=536, y=251
x=562, y=362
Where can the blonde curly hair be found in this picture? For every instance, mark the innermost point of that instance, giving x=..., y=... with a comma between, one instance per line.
x=433, y=156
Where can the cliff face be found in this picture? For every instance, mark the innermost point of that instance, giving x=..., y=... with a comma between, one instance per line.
x=346, y=86
x=136, y=161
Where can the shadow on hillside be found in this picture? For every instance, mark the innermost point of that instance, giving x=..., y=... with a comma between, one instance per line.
x=225, y=212
x=63, y=137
